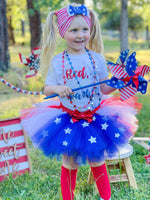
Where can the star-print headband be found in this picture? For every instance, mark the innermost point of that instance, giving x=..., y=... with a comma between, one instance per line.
x=66, y=15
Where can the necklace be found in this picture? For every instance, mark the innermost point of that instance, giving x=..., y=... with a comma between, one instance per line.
x=91, y=97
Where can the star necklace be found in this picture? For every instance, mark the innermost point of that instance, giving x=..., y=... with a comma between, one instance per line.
x=65, y=55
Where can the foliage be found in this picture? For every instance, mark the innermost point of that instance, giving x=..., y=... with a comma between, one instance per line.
x=113, y=21
x=46, y=5
x=17, y=11
x=77, y=1
x=135, y=22
x=110, y=15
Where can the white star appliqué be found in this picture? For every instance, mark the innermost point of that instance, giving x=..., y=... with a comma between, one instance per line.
x=92, y=139
x=94, y=118
x=85, y=124
x=104, y=126
x=65, y=143
x=105, y=118
x=71, y=120
x=117, y=135
x=121, y=129
x=44, y=133
x=57, y=120
x=67, y=131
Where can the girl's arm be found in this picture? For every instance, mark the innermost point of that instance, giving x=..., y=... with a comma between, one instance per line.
x=105, y=89
x=61, y=90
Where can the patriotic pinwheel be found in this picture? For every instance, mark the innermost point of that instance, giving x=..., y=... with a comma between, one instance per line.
x=127, y=77
x=33, y=62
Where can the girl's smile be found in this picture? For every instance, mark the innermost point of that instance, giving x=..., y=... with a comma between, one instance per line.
x=77, y=36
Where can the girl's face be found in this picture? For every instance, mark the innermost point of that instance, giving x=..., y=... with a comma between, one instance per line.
x=77, y=36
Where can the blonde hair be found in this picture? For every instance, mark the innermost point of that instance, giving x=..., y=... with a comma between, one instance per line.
x=95, y=42
x=48, y=41
x=49, y=38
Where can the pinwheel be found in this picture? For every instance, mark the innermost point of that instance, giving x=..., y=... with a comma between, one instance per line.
x=33, y=62
x=128, y=78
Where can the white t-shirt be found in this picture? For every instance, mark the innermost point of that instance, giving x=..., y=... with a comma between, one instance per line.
x=84, y=74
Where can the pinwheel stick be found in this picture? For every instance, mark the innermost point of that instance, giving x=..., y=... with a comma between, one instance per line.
x=83, y=87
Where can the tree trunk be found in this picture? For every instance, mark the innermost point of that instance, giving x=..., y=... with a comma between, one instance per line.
x=11, y=31
x=22, y=28
x=147, y=33
x=35, y=24
x=147, y=36
x=4, y=53
x=124, y=25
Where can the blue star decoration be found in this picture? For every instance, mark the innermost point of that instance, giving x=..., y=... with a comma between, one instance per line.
x=127, y=76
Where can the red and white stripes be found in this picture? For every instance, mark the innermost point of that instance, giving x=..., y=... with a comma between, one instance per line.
x=64, y=20
x=127, y=92
x=14, y=157
x=118, y=71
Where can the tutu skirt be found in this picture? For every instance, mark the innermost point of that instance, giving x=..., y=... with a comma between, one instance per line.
x=53, y=131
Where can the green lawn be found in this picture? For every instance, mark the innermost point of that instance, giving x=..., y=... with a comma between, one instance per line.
x=44, y=183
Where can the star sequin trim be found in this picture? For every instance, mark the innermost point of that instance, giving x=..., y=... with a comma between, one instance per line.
x=104, y=126
x=57, y=120
x=85, y=124
x=65, y=143
x=44, y=133
x=94, y=118
x=117, y=135
x=68, y=131
x=121, y=129
x=92, y=140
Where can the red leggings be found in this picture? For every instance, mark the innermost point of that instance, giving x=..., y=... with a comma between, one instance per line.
x=68, y=182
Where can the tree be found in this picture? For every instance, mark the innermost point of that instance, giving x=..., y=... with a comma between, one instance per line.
x=135, y=23
x=142, y=8
x=16, y=12
x=35, y=23
x=77, y=1
x=4, y=53
x=124, y=25
x=113, y=21
x=35, y=8
x=105, y=10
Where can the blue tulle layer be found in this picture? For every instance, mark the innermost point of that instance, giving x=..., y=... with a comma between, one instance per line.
x=53, y=131
x=105, y=134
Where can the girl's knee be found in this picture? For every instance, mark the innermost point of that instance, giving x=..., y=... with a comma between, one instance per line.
x=96, y=164
x=70, y=163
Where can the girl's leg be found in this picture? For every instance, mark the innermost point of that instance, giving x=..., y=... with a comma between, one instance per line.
x=68, y=177
x=101, y=178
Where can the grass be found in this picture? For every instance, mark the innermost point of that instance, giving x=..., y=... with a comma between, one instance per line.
x=44, y=183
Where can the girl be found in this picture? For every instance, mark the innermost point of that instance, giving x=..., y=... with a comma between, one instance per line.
x=81, y=126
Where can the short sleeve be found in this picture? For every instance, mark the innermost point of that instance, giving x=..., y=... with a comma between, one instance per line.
x=51, y=80
x=104, y=72
x=54, y=71
x=101, y=68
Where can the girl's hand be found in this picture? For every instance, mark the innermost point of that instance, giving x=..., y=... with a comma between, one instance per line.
x=62, y=90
